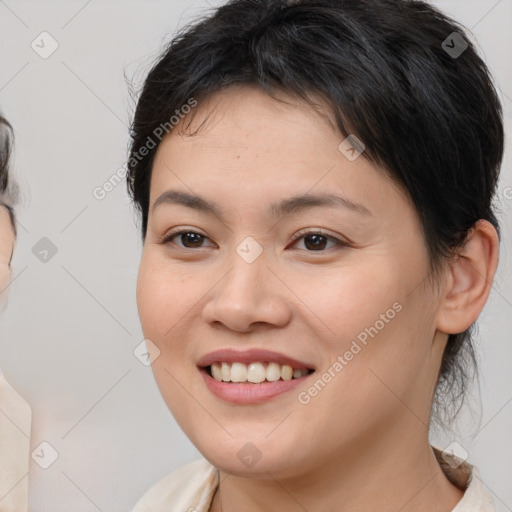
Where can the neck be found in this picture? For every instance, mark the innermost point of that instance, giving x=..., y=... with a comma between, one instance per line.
x=402, y=475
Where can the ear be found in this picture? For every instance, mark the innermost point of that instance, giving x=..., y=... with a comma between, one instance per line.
x=470, y=277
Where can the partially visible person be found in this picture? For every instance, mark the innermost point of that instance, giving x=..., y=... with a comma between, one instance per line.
x=15, y=413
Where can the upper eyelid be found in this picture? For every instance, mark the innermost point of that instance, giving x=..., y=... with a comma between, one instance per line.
x=317, y=231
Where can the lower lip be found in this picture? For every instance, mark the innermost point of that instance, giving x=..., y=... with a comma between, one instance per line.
x=247, y=393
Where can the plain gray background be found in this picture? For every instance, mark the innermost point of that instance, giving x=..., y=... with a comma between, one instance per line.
x=71, y=325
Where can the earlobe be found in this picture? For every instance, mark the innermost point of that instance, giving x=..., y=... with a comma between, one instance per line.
x=470, y=280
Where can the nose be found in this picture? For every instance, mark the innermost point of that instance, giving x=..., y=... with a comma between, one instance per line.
x=247, y=296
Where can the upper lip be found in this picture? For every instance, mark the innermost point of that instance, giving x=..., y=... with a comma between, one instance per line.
x=229, y=355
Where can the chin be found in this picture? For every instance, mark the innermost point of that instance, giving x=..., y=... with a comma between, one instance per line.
x=230, y=463
x=254, y=459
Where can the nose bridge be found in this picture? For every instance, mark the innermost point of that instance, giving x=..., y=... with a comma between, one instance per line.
x=247, y=293
x=245, y=283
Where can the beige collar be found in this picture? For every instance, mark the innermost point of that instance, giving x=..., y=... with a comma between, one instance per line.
x=15, y=417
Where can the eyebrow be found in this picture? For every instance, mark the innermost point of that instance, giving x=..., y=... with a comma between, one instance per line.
x=285, y=207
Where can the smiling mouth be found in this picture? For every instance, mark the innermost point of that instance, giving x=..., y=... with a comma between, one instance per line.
x=255, y=373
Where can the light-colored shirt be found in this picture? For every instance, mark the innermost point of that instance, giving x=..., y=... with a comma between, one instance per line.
x=15, y=417
x=191, y=488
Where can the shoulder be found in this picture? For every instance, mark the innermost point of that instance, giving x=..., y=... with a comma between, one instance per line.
x=476, y=497
x=467, y=477
x=189, y=488
x=15, y=409
x=14, y=448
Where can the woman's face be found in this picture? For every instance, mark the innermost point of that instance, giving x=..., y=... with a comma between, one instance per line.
x=6, y=248
x=332, y=281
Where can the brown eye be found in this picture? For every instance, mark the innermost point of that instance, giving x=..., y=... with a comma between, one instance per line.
x=316, y=241
x=188, y=239
x=191, y=239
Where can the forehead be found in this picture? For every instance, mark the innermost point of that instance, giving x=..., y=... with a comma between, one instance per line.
x=243, y=142
x=238, y=113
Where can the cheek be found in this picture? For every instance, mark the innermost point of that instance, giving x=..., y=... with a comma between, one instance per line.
x=162, y=305
x=350, y=301
x=162, y=298
x=371, y=323
x=167, y=299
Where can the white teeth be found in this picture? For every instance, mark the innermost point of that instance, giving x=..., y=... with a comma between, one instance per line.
x=216, y=371
x=273, y=372
x=286, y=372
x=226, y=372
x=254, y=372
x=238, y=372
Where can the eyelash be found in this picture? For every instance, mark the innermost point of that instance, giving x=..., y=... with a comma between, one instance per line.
x=302, y=234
